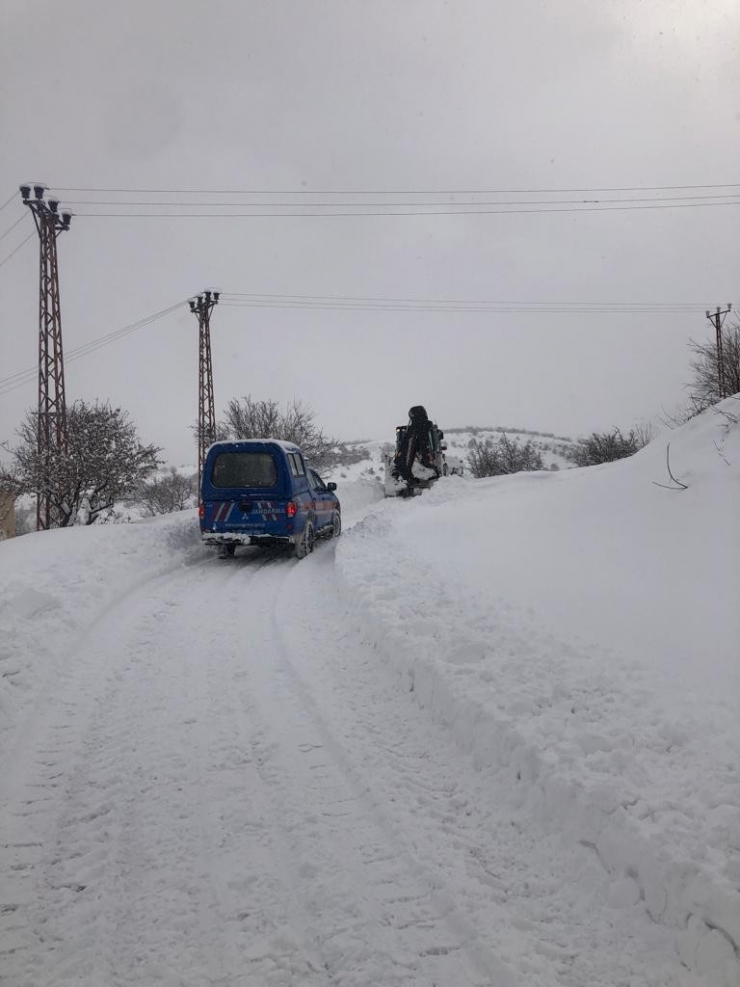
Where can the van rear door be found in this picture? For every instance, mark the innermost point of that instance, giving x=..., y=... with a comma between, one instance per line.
x=244, y=491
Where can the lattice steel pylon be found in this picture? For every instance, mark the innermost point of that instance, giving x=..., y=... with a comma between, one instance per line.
x=717, y=319
x=202, y=306
x=52, y=412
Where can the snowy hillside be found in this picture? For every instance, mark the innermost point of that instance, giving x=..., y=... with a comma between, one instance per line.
x=553, y=449
x=489, y=737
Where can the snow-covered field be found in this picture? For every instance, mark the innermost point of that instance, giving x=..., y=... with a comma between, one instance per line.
x=370, y=463
x=489, y=737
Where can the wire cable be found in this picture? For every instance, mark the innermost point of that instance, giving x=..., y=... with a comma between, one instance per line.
x=21, y=244
x=484, y=191
x=8, y=201
x=364, y=303
x=500, y=310
x=11, y=228
x=22, y=377
x=229, y=295
x=439, y=212
x=415, y=205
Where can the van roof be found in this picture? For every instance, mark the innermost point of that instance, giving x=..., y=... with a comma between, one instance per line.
x=230, y=443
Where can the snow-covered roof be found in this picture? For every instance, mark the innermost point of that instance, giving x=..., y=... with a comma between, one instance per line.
x=285, y=446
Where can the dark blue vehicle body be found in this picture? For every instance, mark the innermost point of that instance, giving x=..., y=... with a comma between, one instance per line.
x=260, y=492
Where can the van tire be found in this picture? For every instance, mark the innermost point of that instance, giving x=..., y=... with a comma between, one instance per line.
x=305, y=542
x=226, y=551
x=336, y=525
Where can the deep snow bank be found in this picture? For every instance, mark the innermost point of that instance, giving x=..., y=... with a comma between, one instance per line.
x=54, y=584
x=356, y=496
x=579, y=633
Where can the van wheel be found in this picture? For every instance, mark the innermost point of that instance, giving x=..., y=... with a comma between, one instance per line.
x=304, y=545
x=336, y=525
x=226, y=551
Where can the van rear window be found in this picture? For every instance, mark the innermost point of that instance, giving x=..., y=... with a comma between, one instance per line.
x=244, y=469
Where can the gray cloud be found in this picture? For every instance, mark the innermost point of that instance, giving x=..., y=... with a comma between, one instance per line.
x=381, y=96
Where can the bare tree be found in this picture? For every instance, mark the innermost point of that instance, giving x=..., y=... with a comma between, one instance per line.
x=102, y=463
x=168, y=493
x=644, y=433
x=249, y=419
x=24, y=519
x=504, y=456
x=606, y=447
x=704, y=384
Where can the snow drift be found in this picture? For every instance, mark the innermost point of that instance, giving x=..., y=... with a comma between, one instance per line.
x=55, y=584
x=579, y=634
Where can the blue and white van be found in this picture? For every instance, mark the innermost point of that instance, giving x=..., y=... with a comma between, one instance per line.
x=262, y=492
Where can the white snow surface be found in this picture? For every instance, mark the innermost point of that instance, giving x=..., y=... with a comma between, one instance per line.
x=488, y=737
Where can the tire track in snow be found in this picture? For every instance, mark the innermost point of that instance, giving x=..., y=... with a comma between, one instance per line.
x=177, y=847
x=230, y=810
x=360, y=900
x=538, y=903
x=75, y=854
x=437, y=944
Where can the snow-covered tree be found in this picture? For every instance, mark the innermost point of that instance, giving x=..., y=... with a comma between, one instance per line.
x=249, y=419
x=103, y=462
x=168, y=493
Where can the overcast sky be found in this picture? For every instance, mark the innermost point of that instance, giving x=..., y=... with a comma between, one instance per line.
x=418, y=98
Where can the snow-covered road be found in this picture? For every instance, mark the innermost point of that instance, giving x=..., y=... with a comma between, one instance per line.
x=212, y=794
x=187, y=815
x=486, y=738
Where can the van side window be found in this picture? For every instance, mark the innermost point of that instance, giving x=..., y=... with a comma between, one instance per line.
x=292, y=464
x=316, y=482
x=299, y=464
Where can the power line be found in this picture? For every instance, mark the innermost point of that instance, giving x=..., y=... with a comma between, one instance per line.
x=366, y=303
x=501, y=310
x=308, y=302
x=455, y=308
x=8, y=201
x=484, y=191
x=228, y=295
x=439, y=212
x=11, y=228
x=415, y=205
x=14, y=252
x=22, y=377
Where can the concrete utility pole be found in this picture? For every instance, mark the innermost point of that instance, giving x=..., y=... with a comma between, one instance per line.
x=717, y=319
x=52, y=414
x=202, y=307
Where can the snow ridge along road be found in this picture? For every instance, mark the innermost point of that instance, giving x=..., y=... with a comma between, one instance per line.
x=577, y=633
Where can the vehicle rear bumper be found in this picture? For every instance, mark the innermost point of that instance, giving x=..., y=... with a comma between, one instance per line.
x=239, y=538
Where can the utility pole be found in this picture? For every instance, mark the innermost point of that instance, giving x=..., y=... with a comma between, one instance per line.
x=717, y=319
x=52, y=413
x=202, y=307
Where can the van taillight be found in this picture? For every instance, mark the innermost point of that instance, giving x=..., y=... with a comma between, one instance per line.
x=291, y=509
x=201, y=510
